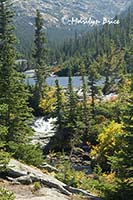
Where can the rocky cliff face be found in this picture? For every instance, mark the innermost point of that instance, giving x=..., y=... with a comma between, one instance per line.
x=54, y=10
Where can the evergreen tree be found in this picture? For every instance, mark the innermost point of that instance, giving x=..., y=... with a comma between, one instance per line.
x=58, y=139
x=72, y=98
x=41, y=71
x=68, y=124
x=129, y=55
x=122, y=160
x=4, y=156
x=59, y=107
x=15, y=115
x=84, y=111
x=73, y=124
x=93, y=78
x=112, y=68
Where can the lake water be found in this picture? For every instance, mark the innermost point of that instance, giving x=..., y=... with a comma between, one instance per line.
x=63, y=81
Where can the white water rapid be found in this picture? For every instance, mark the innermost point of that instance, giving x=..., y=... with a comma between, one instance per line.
x=43, y=130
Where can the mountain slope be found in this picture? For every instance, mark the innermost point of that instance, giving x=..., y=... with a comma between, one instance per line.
x=54, y=11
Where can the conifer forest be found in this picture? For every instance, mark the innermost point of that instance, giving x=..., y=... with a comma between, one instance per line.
x=91, y=125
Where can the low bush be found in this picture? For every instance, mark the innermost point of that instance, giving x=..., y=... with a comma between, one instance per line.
x=37, y=186
x=4, y=160
x=98, y=183
x=28, y=153
x=6, y=195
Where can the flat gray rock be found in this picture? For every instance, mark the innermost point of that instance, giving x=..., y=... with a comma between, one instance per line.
x=24, y=174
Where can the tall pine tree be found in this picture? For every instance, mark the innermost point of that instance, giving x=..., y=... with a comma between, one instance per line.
x=15, y=116
x=112, y=68
x=41, y=71
x=93, y=78
x=85, y=110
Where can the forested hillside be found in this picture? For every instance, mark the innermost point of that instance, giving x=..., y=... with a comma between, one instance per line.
x=53, y=13
x=90, y=149
x=96, y=42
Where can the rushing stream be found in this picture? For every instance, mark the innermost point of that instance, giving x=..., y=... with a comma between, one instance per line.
x=43, y=126
x=44, y=129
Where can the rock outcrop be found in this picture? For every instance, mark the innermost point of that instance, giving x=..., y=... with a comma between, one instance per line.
x=20, y=173
x=53, y=11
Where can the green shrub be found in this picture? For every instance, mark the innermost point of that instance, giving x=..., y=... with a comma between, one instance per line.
x=4, y=160
x=66, y=174
x=98, y=183
x=72, y=177
x=37, y=186
x=30, y=154
x=123, y=191
x=6, y=195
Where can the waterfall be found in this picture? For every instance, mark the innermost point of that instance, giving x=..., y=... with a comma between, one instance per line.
x=44, y=126
x=43, y=130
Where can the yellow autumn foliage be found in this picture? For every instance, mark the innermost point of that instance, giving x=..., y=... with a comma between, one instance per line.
x=110, y=177
x=48, y=104
x=109, y=140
